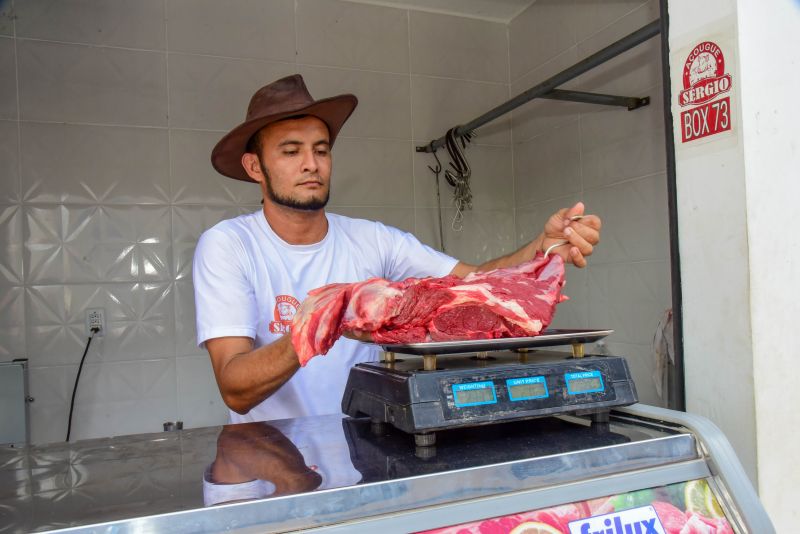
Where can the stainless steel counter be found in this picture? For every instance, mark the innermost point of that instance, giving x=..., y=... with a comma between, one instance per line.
x=309, y=472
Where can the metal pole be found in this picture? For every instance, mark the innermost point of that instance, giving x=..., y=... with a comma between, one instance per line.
x=626, y=43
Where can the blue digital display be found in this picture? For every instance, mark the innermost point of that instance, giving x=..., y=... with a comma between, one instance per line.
x=585, y=382
x=474, y=394
x=530, y=387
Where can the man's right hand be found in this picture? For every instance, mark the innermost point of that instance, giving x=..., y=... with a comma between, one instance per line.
x=580, y=231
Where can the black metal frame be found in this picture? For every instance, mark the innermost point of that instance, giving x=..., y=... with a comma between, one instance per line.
x=677, y=393
x=547, y=89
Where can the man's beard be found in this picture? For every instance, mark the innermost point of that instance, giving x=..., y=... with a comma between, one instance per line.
x=312, y=204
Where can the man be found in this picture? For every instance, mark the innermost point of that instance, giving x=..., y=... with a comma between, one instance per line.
x=250, y=270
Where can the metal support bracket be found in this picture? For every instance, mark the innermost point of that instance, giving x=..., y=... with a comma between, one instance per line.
x=548, y=87
x=630, y=102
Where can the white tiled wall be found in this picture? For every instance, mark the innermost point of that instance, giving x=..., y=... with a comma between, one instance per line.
x=108, y=112
x=612, y=159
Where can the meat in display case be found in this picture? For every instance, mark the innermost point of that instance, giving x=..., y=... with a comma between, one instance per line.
x=682, y=508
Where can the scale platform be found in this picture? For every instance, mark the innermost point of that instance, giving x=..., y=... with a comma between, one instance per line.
x=423, y=396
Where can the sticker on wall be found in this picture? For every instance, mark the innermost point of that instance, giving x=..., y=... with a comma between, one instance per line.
x=705, y=97
x=704, y=78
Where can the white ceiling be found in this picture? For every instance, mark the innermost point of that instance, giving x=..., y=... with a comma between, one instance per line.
x=493, y=10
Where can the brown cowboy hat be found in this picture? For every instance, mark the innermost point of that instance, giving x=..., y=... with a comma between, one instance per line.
x=284, y=98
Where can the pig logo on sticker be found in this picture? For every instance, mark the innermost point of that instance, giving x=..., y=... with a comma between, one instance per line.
x=704, y=76
x=285, y=308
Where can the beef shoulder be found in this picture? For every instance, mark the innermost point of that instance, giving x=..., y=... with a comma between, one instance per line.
x=512, y=302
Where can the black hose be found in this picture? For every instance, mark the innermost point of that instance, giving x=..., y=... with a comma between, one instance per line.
x=78, y=377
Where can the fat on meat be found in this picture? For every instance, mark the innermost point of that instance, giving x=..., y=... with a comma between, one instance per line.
x=512, y=302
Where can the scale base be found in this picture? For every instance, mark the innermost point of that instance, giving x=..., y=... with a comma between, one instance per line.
x=420, y=402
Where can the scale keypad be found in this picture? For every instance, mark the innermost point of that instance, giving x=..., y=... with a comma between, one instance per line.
x=505, y=391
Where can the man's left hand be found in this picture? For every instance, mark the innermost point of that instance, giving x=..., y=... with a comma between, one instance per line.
x=581, y=231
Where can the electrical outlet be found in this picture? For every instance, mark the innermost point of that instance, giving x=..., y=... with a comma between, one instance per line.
x=96, y=318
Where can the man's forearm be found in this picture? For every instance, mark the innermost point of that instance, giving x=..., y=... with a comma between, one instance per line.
x=250, y=377
x=509, y=260
x=515, y=258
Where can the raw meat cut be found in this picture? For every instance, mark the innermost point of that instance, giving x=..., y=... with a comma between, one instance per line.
x=514, y=302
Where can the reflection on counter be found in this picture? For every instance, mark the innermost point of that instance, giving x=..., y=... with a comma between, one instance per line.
x=257, y=460
x=88, y=482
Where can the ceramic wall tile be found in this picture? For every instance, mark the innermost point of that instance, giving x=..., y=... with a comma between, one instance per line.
x=440, y=103
x=635, y=220
x=548, y=166
x=592, y=16
x=11, y=252
x=7, y=19
x=384, y=100
x=101, y=22
x=55, y=323
x=12, y=322
x=540, y=33
x=213, y=93
x=75, y=83
x=94, y=164
x=199, y=401
x=129, y=397
x=540, y=115
x=237, y=28
x=9, y=162
x=188, y=222
x=141, y=325
x=194, y=180
x=402, y=218
x=97, y=243
x=629, y=298
x=630, y=72
x=8, y=79
x=491, y=182
x=484, y=234
x=372, y=172
x=346, y=34
x=140, y=322
x=639, y=155
x=458, y=47
x=609, y=126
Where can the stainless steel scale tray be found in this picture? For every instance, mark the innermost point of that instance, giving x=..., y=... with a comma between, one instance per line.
x=550, y=338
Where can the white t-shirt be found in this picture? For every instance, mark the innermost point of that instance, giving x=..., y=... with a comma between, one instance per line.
x=249, y=282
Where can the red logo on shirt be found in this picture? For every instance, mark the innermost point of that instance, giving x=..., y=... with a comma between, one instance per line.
x=285, y=308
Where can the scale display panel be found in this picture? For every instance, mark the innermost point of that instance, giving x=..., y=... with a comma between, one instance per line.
x=530, y=387
x=474, y=394
x=585, y=382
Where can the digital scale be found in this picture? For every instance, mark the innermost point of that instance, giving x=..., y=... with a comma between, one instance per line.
x=488, y=381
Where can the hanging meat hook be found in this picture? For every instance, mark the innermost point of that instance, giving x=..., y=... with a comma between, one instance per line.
x=436, y=171
x=459, y=176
